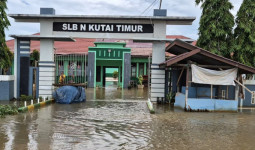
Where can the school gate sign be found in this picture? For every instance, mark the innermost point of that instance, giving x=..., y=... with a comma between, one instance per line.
x=102, y=27
x=63, y=27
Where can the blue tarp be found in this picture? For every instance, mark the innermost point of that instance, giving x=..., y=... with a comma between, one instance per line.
x=69, y=94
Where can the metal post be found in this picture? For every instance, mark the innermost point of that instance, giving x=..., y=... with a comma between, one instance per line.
x=85, y=67
x=236, y=89
x=149, y=74
x=211, y=91
x=187, y=88
x=227, y=92
x=160, y=4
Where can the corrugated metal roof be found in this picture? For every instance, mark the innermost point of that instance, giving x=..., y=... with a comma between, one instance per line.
x=203, y=57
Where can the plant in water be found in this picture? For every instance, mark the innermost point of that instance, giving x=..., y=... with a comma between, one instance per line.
x=140, y=80
x=8, y=110
x=170, y=97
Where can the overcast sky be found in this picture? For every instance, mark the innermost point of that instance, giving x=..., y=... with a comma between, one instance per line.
x=108, y=7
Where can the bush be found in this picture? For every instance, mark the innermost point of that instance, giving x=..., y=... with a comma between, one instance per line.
x=115, y=74
x=25, y=98
x=8, y=110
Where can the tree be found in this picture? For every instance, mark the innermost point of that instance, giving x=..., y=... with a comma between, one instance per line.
x=245, y=33
x=8, y=59
x=5, y=59
x=216, y=24
x=35, y=57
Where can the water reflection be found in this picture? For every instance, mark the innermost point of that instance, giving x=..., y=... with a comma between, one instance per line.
x=106, y=122
x=113, y=93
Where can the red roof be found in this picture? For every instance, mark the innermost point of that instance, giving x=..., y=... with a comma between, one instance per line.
x=81, y=45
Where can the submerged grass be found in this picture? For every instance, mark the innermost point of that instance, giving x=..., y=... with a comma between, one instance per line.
x=8, y=110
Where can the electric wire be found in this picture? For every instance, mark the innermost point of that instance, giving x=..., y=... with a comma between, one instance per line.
x=149, y=7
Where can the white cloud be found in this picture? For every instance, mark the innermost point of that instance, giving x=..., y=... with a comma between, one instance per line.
x=107, y=7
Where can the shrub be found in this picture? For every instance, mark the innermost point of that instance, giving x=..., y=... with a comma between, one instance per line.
x=25, y=98
x=8, y=110
x=115, y=74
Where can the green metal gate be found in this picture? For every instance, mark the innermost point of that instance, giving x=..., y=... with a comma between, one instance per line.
x=73, y=66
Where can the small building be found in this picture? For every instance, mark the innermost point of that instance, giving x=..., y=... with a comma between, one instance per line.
x=202, y=80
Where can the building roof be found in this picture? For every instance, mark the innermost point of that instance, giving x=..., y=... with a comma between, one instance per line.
x=81, y=45
x=186, y=52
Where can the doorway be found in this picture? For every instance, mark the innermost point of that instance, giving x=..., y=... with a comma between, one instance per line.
x=110, y=76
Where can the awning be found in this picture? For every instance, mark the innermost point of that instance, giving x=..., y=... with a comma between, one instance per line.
x=207, y=76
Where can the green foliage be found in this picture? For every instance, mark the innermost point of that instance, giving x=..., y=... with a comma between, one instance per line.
x=115, y=74
x=8, y=110
x=170, y=97
x=140, y=80
x=40, y=97
x=245, y=34
x=5, y=59
x=25, y=98
x=216, y=24
x=35, y=56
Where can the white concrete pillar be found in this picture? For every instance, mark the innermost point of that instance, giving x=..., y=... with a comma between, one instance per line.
x=46, y=68
x=158, y=56
x=46, y=63
x=15, y=68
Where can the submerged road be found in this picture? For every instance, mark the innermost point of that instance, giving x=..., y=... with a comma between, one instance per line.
x=116, y=119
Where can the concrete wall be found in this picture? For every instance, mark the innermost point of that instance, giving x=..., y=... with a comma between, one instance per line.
x=127, y=69
x=205, y=104
x=91, y=69
x=205, y=92
x=6, y=87
x=201, y=92
x=179, y=100
x=247, y=100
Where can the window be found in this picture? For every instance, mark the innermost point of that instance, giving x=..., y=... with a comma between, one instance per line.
x=133, y=69
x=141, y=69
x=223, y=94
x=253, y=97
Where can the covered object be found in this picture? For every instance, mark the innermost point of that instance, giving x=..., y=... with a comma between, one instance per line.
x=69, y=94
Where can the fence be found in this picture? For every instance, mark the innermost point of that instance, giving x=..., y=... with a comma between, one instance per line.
x=73, y=66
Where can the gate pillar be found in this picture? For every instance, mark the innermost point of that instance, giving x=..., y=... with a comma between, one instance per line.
x=21, y=66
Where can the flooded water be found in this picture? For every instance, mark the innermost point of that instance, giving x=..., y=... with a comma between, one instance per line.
x=119, y=119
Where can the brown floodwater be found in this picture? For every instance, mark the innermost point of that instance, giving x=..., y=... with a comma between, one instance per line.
x=120, y=119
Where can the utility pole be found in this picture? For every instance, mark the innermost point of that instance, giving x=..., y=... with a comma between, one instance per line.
x=160, y=4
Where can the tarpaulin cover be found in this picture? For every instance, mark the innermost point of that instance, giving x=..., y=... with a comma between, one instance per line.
x=69, y=94
x=213, y=77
